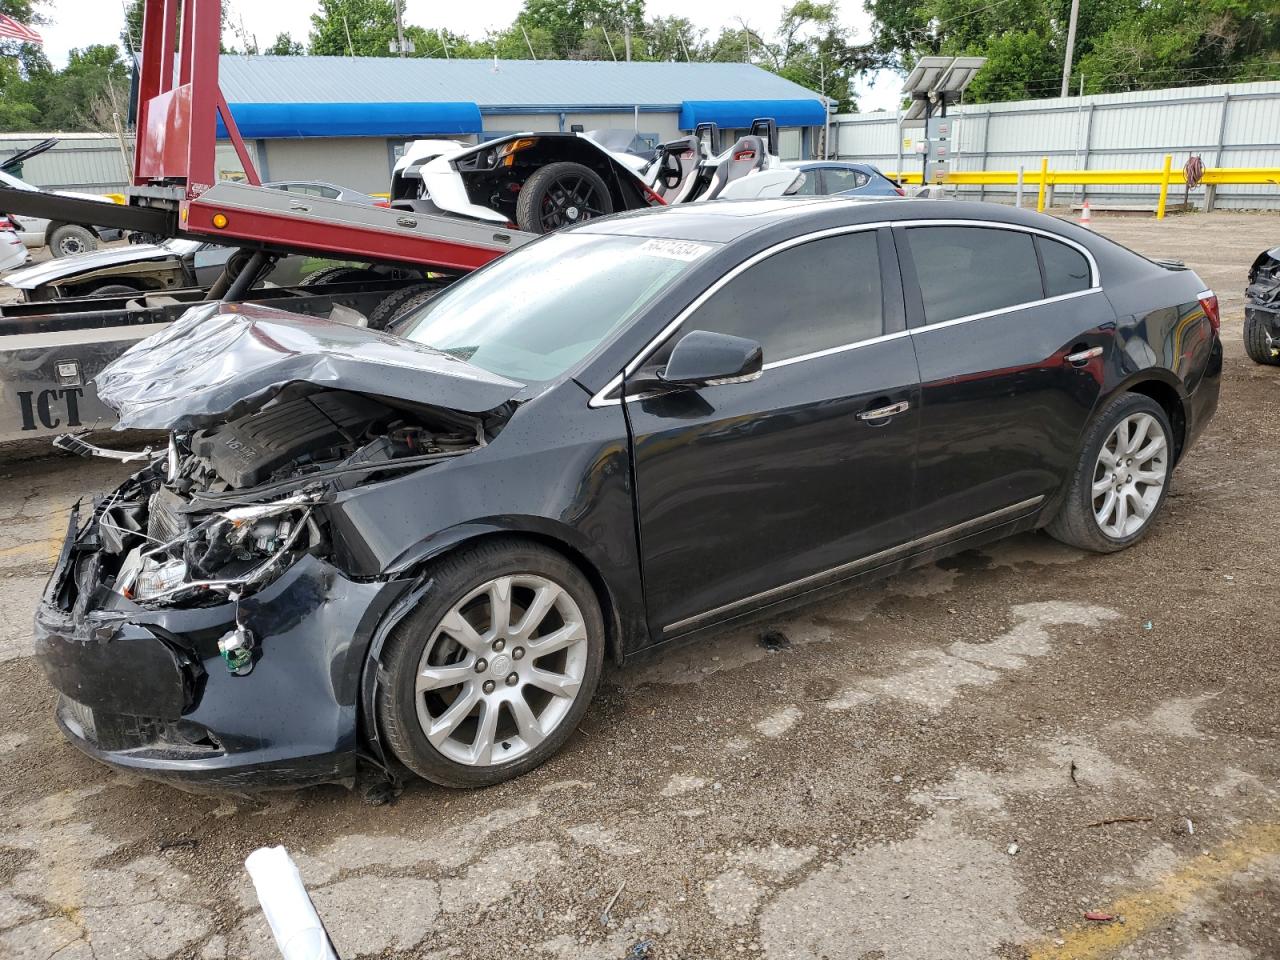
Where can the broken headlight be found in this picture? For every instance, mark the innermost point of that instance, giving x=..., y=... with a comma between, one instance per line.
x=230, y=552
x=154, y=578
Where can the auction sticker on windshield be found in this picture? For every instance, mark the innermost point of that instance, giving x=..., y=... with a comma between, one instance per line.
x=674, y=249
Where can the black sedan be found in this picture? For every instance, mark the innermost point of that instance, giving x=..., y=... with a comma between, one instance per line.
x=420, y=548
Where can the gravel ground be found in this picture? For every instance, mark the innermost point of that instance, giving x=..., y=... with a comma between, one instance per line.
x=958, y=762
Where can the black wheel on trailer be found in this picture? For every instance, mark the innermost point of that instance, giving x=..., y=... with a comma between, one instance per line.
x=559, y=195
x=339, y=275
x=391, y=305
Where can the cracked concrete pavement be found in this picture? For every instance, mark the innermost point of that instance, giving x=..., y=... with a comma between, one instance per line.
x=958, y=762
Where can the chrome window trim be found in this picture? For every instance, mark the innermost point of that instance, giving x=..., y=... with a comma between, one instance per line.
x=1095, y=277
x=833, y=574
x=601, y=398
x=1012, y=309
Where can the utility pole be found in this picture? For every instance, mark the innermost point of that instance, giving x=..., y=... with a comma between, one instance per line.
x=626, y=39
x=399, y=29
x=826, y=112
x=1071, y=48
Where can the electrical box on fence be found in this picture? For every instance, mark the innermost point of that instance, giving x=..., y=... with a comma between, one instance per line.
x=937, y=157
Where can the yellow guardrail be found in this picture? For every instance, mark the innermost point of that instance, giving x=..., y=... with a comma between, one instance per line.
x=1044, y=179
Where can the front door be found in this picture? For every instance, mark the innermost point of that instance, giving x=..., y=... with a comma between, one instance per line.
x=1012, y=334
x=751, y=492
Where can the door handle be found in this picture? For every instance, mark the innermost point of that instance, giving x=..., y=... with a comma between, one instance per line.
x=1080, y=358
x=884, y=413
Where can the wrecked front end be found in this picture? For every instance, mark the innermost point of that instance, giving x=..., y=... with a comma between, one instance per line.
x=1262, y=308
x=204, y=624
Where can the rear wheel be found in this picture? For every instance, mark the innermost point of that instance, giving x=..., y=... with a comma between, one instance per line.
x=71, y=239
x=1256, y=342
x=560, y=195
x=1120, y=482
x=492, y=672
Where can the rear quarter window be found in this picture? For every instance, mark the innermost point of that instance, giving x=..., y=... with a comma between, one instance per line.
x=1066, y=270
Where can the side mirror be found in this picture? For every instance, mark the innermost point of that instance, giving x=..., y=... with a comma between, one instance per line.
x=702, y=358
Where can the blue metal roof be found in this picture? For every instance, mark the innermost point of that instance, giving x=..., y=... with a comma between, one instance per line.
x=511, y=86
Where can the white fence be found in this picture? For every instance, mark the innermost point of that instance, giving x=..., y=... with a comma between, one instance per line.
x=1227, y=125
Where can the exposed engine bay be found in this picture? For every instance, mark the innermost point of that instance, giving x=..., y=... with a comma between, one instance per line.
x=227, y=507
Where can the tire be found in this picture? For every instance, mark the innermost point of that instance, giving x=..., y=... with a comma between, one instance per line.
x=70, y=239
x=391, y=306
x=1255, y=341
x=423, y=641
x=1077, y=522
x=543, y=206
x=338, y=275
x=113, y=290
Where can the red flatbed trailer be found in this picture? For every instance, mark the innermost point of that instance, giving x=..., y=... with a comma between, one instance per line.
x=49, y=353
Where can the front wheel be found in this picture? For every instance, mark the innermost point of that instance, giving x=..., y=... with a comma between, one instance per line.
x=1258, y=343
x=1120, y=482
x=560, y=195
x=492, y=672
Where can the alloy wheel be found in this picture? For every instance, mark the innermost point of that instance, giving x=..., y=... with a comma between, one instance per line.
x=502, y=670
x=1129, y=475
x=569, y=199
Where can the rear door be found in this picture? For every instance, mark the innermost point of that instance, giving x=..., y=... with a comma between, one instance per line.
x=1011, y=331
x=750, y=492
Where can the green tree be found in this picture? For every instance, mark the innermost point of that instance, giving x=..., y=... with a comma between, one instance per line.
x=362, y=28
x=23, y=69
x=1120, y=44
x=285, y=46
x=581, y=29
x=810, y=47
x=668, y=38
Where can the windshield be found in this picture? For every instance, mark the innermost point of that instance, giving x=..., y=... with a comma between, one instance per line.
x=536, y=312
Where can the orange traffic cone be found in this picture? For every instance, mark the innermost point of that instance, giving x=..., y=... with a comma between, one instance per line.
x=1085, y=216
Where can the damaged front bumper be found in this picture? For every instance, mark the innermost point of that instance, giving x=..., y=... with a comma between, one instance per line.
x=147, y=690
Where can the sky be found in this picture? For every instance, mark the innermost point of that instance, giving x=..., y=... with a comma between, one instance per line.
x=79, y=23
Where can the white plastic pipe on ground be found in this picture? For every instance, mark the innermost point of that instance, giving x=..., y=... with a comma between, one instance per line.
x=294, y=922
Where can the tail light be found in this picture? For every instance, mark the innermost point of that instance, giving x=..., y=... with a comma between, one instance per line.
x=1209, y=303
x=382, y=203
x=899, y=191
x=6, y=223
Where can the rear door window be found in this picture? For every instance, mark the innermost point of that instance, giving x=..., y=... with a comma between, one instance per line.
x=964, y=271
x=1065, y=268
x=808, y=298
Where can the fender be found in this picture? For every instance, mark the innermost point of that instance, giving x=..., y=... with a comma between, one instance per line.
x=624, y=614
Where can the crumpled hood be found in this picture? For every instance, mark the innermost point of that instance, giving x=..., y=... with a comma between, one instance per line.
x=221, y=360
x=61, y=268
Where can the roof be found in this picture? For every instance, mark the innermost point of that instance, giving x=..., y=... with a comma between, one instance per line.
x=510, y=85
x=724, y=221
